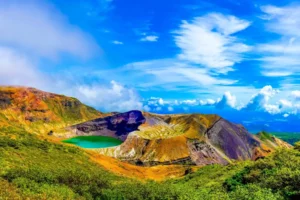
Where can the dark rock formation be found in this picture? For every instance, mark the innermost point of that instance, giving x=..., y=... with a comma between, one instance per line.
x=117, y=126
x=202, y=154
x=5, y=100
x=235, y=141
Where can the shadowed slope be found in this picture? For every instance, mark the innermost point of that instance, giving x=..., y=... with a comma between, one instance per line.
x=117, y=126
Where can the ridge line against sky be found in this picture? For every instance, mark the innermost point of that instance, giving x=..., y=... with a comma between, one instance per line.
x=166, y=57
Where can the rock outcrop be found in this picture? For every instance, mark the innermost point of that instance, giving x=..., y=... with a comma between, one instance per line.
x=117, y=126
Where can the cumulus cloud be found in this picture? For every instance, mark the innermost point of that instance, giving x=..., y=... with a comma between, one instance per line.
x=39, y=28
x=209, y=40
x=160, y=101
x=115, y=97
x=265, y=100
x=227, y=100
x=260, y=100
x=296, y=94
x=283, y=103
x=271, y=108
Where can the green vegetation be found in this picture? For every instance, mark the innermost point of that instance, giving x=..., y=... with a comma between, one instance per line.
x=264, y=136
x=33, y=168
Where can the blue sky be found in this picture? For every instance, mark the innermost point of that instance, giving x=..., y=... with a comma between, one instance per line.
x=239, y=59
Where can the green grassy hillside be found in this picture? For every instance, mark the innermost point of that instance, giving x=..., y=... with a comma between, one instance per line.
x=37, y=169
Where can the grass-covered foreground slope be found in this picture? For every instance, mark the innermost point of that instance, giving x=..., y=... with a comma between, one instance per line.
x=40, y=112
x=31, y=168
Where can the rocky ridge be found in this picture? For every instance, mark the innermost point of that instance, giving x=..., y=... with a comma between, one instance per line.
x=191, y=139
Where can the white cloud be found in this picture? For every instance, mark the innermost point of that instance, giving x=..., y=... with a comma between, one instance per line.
x=40, y=29
x=207, y=102
x=160, y=101
x=227, y=100
x=170, y=109
x=17, y=69
x=150, y=38
x=296, y=94
x=209, y=40
x=287, y=17
x=116, y=97
x=260, y=100
x=281, y=57
x=285, y=103
x=117, y=42
x=169, y=74
x=272, y=109
x=264, y=100
x=189, y=102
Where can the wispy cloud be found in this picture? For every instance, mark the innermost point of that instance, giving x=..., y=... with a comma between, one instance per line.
x=165, y=72
x=117, y=42
x=281, y=57
x=208, y=40
x=150, y=38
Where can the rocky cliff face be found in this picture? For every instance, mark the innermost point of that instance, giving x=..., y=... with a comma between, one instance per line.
x=117, y=126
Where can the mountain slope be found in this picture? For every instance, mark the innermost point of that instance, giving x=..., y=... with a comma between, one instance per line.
x=40, y=112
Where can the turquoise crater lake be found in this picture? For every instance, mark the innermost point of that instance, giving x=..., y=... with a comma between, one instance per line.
x=93, y=141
